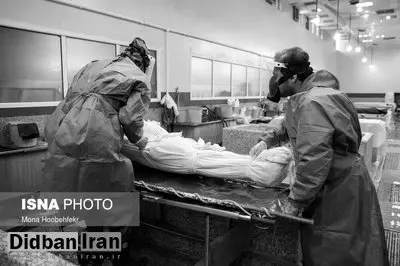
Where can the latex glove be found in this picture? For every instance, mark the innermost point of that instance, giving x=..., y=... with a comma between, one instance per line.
x=286, y=208
x=289, y=209
x=258, y=148
x=142, y=143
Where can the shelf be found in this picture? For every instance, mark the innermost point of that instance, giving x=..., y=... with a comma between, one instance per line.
x=39, y=147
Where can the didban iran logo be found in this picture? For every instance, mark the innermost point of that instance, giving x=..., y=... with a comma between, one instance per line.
x=65, y=241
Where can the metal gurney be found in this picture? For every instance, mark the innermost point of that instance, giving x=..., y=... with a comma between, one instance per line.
x=234, y=200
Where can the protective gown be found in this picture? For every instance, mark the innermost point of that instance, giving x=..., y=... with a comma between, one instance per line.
x=106, y=99
x=332, y=182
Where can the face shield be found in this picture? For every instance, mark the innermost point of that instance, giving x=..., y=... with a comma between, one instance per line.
x=280, y=75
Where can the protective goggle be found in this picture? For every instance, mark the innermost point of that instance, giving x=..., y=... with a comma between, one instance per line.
x=276, y=64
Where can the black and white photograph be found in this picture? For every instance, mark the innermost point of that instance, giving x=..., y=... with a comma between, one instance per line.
x=200, y=133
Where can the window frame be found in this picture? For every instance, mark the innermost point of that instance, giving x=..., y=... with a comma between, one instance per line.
x=260, y=69
x=63, y=35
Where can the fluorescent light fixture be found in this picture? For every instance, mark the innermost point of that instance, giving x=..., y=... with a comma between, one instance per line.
x=358, y=49
x=349, y=48
x=316, y=20
x=388, y=17
x=359, y=9
x=367, y=41
x=364, y=59
x=365, y=4
x=336, y=36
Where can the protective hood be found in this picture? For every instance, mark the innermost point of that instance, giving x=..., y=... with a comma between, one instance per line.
x=320, y=78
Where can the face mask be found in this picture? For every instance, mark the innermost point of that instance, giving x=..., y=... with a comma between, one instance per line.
x=280, y=76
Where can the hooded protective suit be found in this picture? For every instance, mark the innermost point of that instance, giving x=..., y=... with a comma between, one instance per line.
x=332, y=183
x=106, y=99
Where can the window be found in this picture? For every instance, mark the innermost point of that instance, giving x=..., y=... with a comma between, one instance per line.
x=222, y=79
x=307, y=24
x=153, y=81
x=239, y=87
x=82, y=52
x=265, y=77
x=253, y=81
x=30, y=69
x=296, y=14
x=33, y=63
x=201, y=78
x=216, y=79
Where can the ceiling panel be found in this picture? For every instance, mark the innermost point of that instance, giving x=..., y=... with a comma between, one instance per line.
x=371, y=20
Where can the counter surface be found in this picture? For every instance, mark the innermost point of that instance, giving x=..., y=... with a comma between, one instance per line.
x=39, y=147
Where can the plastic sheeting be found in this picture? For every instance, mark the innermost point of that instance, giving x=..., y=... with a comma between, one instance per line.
x=376, y=127
x=250, y=197
x=171, y=152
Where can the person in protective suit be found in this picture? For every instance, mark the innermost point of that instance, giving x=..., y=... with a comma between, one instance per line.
x=332, y=184
x=107, y=99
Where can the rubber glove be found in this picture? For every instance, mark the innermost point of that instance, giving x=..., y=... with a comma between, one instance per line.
x=289, y=209
x=286, y=208
x=258, y=148
x=142, y=143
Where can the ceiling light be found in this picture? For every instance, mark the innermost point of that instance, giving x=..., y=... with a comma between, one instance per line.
x=358, y=49
x=316, y=20
x=371, y=67
x=336, y=37
x=364, y=59
x=366, y=16
x=359, y=9
x=365, y=4
x=319, y=10
x=388, y=17
x=377, y=36
x=349, y=48
x=382, y=36
x=367, y=40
